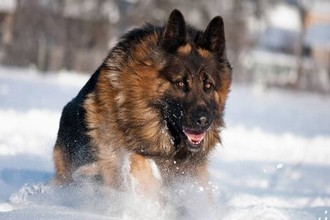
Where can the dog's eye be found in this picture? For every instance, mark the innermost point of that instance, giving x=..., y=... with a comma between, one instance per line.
x=180, y=84
x=207, y=86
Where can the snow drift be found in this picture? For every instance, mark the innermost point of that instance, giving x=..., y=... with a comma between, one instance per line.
x=273, y=164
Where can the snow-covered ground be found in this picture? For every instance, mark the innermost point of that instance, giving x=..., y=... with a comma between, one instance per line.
x=274, y=162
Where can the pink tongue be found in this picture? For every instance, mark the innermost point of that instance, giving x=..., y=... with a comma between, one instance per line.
x=195, y=138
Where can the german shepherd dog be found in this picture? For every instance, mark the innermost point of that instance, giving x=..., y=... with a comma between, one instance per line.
x=151, y=113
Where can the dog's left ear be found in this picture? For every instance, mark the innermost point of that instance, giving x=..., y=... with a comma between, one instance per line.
x=175, y=32
x=214, y=36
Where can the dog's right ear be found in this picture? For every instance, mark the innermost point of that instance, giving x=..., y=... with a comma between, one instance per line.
x=214, y=37
x=175, y=32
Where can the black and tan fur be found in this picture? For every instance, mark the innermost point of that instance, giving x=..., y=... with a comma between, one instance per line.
x=155, y=83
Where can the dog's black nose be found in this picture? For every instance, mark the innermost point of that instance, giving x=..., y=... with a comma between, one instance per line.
x=202, y=121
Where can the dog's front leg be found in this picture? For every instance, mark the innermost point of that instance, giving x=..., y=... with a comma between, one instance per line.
x=203, y=180
x=145, y=176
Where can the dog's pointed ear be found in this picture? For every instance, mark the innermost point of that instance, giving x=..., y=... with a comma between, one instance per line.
x=214, y=36
x=175, y=32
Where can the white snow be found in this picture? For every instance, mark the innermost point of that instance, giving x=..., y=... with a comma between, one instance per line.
x=274, y=162
x=285, y=16
x=8, y=5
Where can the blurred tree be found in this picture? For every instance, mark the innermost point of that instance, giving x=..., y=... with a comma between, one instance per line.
x=76, y=34
x=301, y=46
x=49, y=37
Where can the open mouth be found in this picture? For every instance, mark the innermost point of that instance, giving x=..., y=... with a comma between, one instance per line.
x=194, y=137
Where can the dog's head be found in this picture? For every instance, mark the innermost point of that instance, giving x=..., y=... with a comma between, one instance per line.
x=199, y=75
x=170, y=80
